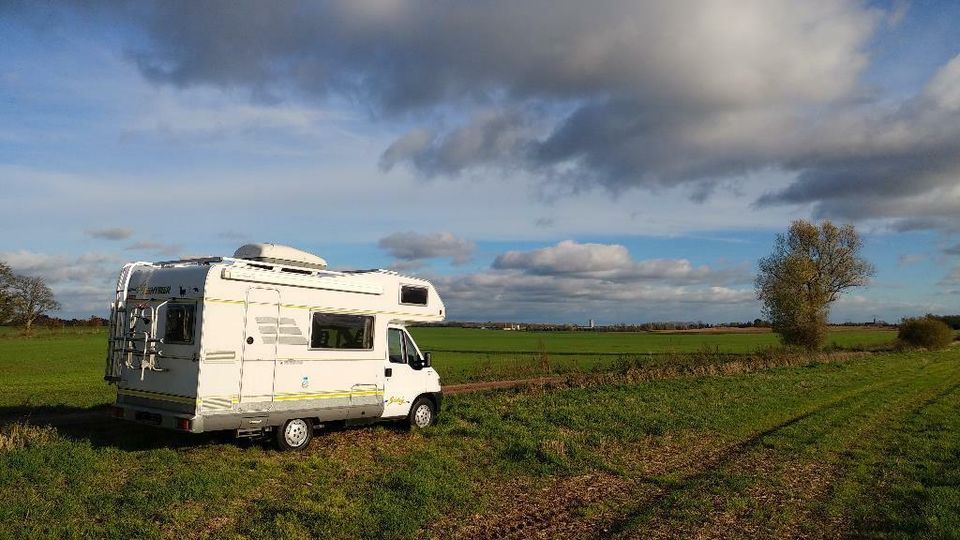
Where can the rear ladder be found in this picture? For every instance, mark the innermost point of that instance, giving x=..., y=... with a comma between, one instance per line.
x=120, y=344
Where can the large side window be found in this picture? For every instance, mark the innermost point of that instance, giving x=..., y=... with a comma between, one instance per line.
x=413, y=295
x=180, y=323
x=395, y=346
x=336, y=331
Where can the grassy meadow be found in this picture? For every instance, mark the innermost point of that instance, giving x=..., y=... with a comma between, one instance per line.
x=65, y=366
x=864, y=445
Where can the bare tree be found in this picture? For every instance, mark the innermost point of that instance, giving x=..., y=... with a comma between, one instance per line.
x=810, y=267
x=31, y=299
x=6, y=297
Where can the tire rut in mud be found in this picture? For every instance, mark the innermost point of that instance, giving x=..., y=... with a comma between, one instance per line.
x=715, y=527
x=558, y=511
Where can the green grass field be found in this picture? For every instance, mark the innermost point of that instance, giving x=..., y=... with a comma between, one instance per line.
x=613, y=343
x=65, y=367
x=867, y=447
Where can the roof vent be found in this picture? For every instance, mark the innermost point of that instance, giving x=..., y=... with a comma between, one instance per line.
x=277, y=254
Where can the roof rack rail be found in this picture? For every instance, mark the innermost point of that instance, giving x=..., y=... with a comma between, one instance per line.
x=190, y=260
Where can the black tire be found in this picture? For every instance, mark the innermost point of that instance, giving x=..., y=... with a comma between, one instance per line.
x=423, y=413
x=294, y=434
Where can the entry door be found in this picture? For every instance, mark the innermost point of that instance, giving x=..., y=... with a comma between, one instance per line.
x=260, y=346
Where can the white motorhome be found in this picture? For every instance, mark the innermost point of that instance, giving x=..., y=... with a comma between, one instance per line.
x=269, y=341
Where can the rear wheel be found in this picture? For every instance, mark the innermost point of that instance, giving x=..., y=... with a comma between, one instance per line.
x=422, y=414
x=294, y=434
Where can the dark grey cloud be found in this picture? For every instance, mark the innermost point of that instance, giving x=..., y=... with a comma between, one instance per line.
x=618, y=94
x=111, y=233
x=543, y=222
x=412, y=247
x=909, y=259
x=953, y=278
x=492, y=137
x=952, y=250
x=901, y=163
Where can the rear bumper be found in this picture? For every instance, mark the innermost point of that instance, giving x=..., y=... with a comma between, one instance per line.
x=161, y=418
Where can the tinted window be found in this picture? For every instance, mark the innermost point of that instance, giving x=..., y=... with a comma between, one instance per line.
x=334, y=331
x=395, y=345
x=412, y=357
x=179, y=323
x=413, y=295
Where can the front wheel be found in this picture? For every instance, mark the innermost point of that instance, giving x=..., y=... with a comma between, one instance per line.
x=294, y=434
x=422, y=414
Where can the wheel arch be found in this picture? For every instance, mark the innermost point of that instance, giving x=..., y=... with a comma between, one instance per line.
x=435, y=397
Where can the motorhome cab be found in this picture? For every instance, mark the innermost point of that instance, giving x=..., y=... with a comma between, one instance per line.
x=269, y=342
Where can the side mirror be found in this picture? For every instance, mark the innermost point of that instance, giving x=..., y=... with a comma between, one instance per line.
x=427, y=359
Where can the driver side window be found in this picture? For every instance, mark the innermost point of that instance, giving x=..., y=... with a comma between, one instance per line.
x=413, y=359
x=395, y=346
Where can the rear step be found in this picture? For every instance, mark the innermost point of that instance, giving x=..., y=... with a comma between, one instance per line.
x=251, y=433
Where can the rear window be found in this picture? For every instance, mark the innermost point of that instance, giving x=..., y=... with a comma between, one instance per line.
x=413, y=295
x=336, y=331
x=179, y=323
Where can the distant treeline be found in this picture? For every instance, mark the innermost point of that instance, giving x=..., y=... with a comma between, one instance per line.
x=953, y=321
x=650, y=326
x=56, y=322
x=619, y=327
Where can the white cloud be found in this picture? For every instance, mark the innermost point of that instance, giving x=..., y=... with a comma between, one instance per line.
x=412, y=246
x=944, y=88
x=611, y=262
x=512, y=294
x=567, y=257
x=571, y=280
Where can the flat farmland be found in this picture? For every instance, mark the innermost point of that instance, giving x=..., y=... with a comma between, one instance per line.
x=65, y=366
x=580, y=342
x=862, y=445
x=466, y=354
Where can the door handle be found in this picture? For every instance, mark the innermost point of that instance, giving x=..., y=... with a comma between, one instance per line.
x=388, y=372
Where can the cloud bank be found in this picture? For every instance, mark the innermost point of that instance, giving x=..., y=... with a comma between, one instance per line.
x=572, y=280
x=616, y=94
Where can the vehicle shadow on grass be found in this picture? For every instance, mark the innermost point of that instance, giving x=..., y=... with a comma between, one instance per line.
x=96, y=426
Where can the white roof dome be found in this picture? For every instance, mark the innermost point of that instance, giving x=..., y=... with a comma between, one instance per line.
x=276, y=253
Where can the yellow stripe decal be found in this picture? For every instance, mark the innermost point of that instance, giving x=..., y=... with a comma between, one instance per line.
x=235, y=399
x=326, y=395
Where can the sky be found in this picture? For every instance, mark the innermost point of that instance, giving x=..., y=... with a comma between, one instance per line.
x=545, y=160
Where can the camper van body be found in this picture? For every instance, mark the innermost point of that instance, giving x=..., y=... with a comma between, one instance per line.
x=248, y=345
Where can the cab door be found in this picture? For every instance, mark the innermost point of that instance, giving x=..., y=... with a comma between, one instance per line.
x=403, y=376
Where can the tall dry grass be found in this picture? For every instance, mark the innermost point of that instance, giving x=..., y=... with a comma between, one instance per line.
x=22, y=435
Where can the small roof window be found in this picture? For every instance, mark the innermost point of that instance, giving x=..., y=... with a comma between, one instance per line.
x=410, y=294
